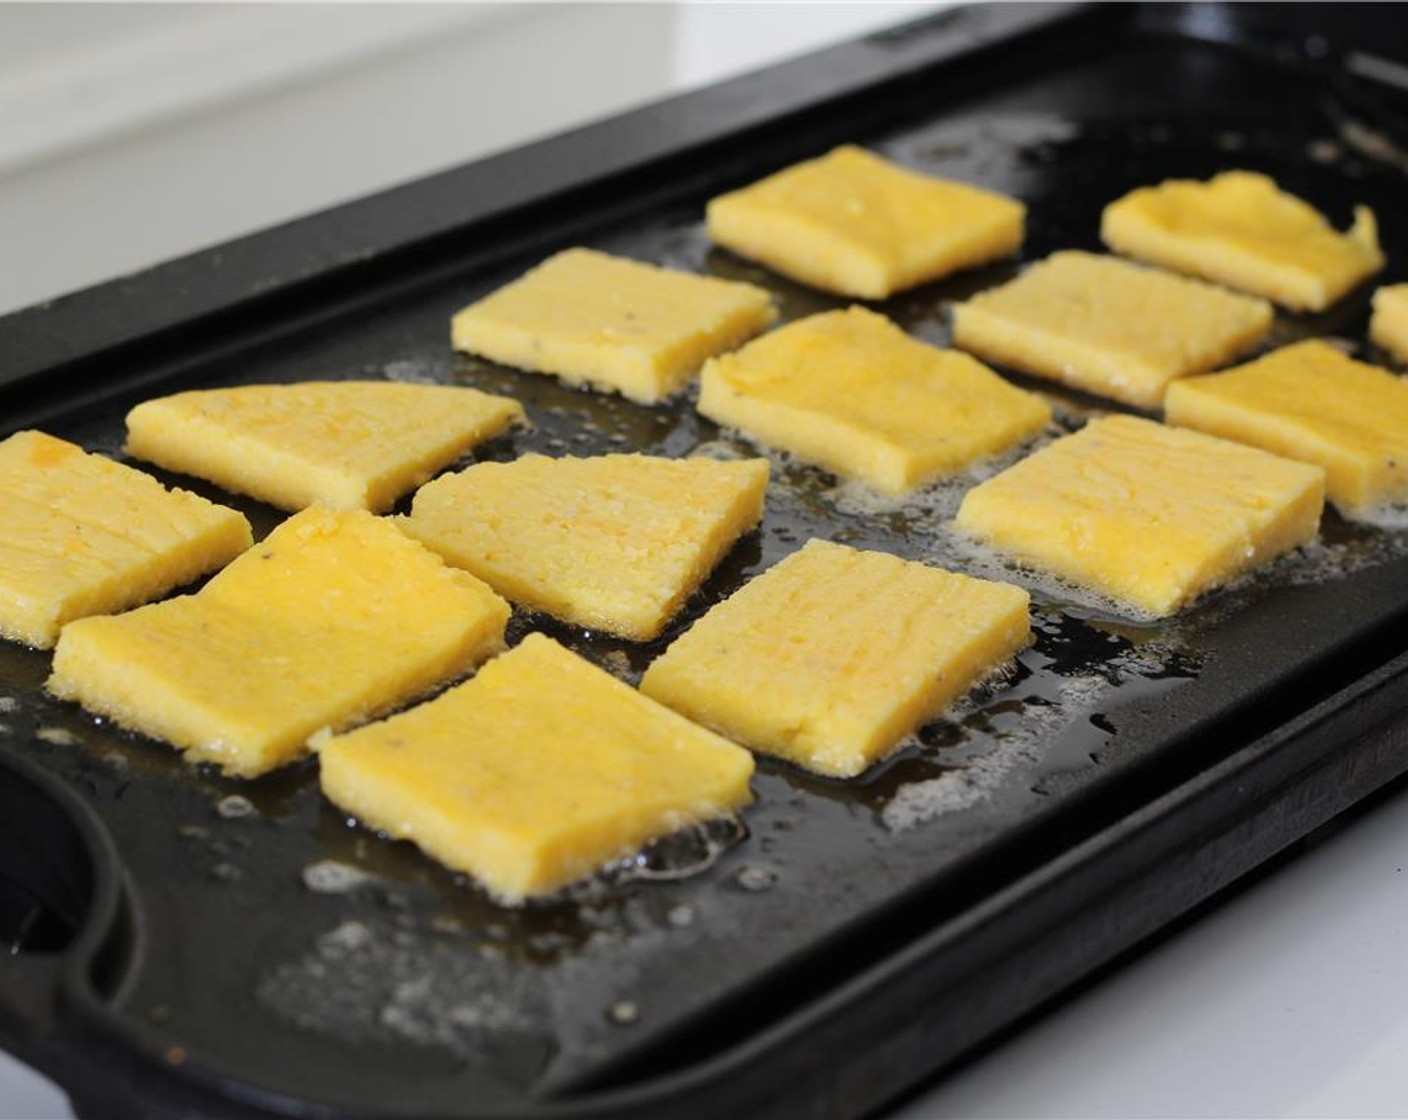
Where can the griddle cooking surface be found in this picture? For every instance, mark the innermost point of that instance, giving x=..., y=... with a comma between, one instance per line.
x=286, y=949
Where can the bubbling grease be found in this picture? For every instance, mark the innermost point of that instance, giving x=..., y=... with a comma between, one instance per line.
x=363, y=984
x=976, y=778
x=1392, y=516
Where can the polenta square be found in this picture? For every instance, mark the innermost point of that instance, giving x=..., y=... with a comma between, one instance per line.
x=340, y=444
x=829, y=658
x=612, y=542
x=1241, y=230
x=1310, y=402
x=535, y=773
x=83, y=535
x=1388, y=326
x=333, y=618
x=1108, y=327
x=612, y=323
x=854, y=223
x=1148, y=516
x=850, y=391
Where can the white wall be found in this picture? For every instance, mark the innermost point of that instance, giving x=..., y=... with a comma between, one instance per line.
x=148, y=137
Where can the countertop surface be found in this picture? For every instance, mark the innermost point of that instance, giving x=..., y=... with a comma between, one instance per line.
x=1285, y=999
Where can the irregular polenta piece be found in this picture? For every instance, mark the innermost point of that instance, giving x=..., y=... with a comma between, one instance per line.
x=340, y=444
x=1241, y=230
x=611, y=323
x=852, y=392
x=1312, y=403
x=1109, y=327
x=331, y=619
x=83, y=535
x=1389, y=324
x=613, y=542
x=535, y=773
x=1146, y=515
x=833, y=655
x=856, y=224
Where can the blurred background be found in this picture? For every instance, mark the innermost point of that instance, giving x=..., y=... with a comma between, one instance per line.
x=131, y=133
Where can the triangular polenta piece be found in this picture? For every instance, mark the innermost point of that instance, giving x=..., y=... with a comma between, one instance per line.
x=852, y=392
x=1240, y=229
x=1147, y=516
x=612, y=323
x=82, y=535
x=857, y=224
x=535, y=773
x=834, y=654
x=333, y=618
x=341, y=444
x=1105, y=326
x=614, y=543
x=1312, y=403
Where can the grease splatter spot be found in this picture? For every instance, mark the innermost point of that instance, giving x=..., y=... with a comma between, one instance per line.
x=412, y=372
x=681, y=915
x=754, y=879
x=624, y=1013
x=328, y=876
x=362, y=985
x=234, y=806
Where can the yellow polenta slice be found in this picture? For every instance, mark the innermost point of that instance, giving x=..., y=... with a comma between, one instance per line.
x=853, y=223
x=1312, y=403
x=614, y=542
x=1240, y=230
x=340, y=444
x=1389, y=324
x=852, y=392
x=833, y=655
x=331, y=619
x=594, y=319
x=1146, y=515
x=82, y=535
x=1109, y=327
x=535, y=773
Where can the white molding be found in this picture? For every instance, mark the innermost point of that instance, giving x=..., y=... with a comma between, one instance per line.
x=99, y=90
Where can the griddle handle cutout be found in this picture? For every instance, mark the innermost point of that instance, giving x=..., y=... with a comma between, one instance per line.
x=59, y=891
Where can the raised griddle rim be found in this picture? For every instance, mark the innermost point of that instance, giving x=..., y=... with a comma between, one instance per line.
x=874, y=1075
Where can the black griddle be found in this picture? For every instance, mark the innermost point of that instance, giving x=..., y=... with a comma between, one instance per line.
x=186, y=945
